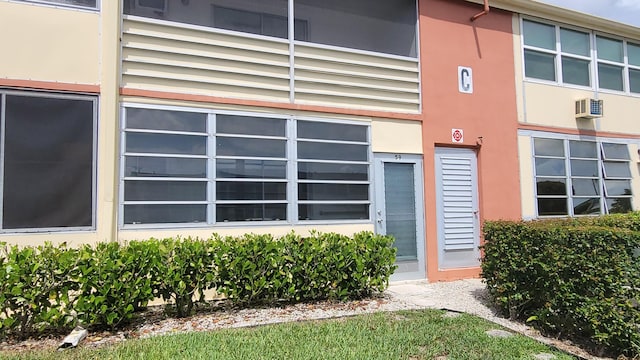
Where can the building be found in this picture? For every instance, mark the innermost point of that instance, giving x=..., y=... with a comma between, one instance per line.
x=129, y=119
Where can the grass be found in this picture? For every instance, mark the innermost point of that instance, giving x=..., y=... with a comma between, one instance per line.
x=412, y=335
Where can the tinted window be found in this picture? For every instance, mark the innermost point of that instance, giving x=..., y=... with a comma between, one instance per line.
x=48, y=162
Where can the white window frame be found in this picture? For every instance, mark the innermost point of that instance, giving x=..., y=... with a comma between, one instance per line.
x=94, y=174
x=61, y=4
x=291, y=177
x=567, y=176
x=593, y=58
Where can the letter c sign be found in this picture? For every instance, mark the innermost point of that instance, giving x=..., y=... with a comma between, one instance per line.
x=465, y=80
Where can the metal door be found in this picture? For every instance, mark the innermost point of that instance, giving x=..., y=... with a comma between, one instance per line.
x=399, y=210
x=457, y=208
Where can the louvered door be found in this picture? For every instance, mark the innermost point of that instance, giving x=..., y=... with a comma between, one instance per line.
x=457, y=208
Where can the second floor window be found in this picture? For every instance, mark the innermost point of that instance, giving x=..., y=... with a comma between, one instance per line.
x=574, y=57
x=90, y=4
x=380, y=26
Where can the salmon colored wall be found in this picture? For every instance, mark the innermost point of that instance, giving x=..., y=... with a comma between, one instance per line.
x=449, y=39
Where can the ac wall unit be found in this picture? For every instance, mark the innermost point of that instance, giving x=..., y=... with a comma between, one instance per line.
x=153, y=5
x=589, y=108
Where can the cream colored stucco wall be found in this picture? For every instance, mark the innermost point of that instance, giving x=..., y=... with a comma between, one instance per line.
x=43, y=43
x=554, y=106
x=396, y=136
x=526, y=177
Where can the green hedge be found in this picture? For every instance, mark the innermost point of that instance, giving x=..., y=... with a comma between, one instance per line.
x=53, y=288
x=577, y=278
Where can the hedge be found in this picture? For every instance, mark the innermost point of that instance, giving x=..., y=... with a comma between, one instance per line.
x=54, y=288
x=577, y=278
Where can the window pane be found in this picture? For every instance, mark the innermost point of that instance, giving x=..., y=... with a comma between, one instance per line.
x=247, y=125
x=583, y=149
x=48, y=162
x=143, y=166
x=550, y=167
x=326, y=151
x=165, y=191
x=619, y=205
x=251, y=191
x=164, y=214
x=539, y=35
x=331, y=131
x=333, y=191
x=373, y=25
x=615, y=151
x=333, y=211
x=166, y=144
x=239, y=20
x=550, y=186
x=575, y=71
x=585, y=187
x=539, y=65
x=617, y=187
x=548, y=147
x=587, y=206
x=610, y=77
x=251, y=212
x=257, y=169
x=83, y=3
x=243, y=16
x=634, y=80
x=227, y=146
x=609, y=49
x=329, y=171
x=575, y=42
x=617, y=169
x=550, y=207
x=166, y=120
x=588, y=168
x=633, y=54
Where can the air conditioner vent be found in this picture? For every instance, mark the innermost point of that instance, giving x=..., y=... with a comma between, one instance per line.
x=589, y=108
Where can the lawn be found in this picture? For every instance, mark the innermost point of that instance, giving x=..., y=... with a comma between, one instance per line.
x=422, y=334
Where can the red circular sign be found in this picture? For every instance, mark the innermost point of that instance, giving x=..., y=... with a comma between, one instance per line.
x=457, y=135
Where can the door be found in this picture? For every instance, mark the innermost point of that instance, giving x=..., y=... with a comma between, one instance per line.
x=399, y=210
x=457, y=208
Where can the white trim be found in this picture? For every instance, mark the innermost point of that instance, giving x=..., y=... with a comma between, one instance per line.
x=60, y=5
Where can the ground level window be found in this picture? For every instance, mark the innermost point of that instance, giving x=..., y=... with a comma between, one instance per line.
x=575, y=177
x=48, y=161
x=187, y=166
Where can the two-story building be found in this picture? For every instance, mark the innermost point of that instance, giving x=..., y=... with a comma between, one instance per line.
x=131, y=119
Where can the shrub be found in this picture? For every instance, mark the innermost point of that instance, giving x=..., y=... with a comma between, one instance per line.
x=574, y=280
x=36, y=288
x=115, y=281
x=52, y=287
x=258, y=269
x=185, y=271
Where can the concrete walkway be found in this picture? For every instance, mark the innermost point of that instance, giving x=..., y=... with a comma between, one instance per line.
x=470, y=296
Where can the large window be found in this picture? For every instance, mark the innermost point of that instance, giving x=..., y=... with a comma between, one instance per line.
x=581, y=177
x=195, y=167
x=48, y=161
x=565, y=56
x=372, y=25
x=90, y=4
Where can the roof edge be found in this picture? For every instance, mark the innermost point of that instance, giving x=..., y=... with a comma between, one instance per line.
x=555, y=13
